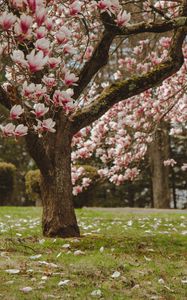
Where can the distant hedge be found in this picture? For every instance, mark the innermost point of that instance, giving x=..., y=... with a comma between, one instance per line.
x=32, y=184
x=7, y=182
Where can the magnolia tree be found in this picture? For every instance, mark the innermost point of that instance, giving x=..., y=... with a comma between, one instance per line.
x=51, y=53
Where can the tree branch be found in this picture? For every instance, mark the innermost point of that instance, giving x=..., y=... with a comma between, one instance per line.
x=143, y=27
x=161, y=27
x=101, y=53
x=98, y=60
x=124, y=89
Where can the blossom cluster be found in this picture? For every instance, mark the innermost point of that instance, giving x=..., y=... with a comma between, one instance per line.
x=44, y=38
x=120, y=139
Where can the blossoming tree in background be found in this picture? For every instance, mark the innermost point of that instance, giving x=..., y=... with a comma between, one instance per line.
x=52, y=53
x=120, y=139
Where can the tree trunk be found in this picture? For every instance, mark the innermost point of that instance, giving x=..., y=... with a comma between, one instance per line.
x=54, y=162
x=159, y=151
x=58, y=212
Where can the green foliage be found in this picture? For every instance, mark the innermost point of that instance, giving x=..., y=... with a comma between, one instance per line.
x=90, y=172
x=32, y=183
x=7, y=182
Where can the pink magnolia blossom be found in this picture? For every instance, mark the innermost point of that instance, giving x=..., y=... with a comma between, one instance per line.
x=77, y=190
x=45, y=125
x=49, y=125
x=130, y=174
x=103, y=5
x=49, y=81
x=54, y=62
x=114, y=6
x=109, y=5
x=16, y=111
x=117, y=179
x=63, y=35
x=41, y=32
x=39, y=91
x=20, y=130
x=36, y=61
x=32, y=4
x=86, y=182
x=23, y=26
x=165, y=42
x=40, y=110
x=70, y=79
x=49, y=24
x=69, y=49
x=170, y=162
x=28, y=90
x=7, y=20
x=138, y=50
x=8, y=129
x=61, y=98
x=75, y=8
x=18, y=57
x=123, y=18
x=61, y=38
x=40, y=15
x=43, y=44
x=32, y=91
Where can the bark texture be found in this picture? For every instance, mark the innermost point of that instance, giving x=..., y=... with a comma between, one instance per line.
x=53, y=157
x=59, y=218
x=159, y=151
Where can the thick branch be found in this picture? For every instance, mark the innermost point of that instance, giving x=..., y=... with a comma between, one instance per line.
x=143, y=27
x=161, y=27
x=124, y=89
x=98, y=60
x=101, y=53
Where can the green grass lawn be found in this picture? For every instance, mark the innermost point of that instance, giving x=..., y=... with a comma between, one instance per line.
x=119, y=256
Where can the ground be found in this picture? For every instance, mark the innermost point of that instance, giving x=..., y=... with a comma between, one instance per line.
x=120, y=256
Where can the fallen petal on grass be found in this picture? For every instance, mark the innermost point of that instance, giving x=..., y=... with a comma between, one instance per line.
x=116, y=274
x=96, y=293
x=12, y=271
x=9, y=282
x=161, y=281
x=66, y=246
x=184, y=281
x=26, y=289
x=147, y=258
x=35, y=256
x=52, y=265
x=79, y=252
x=63, y=282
